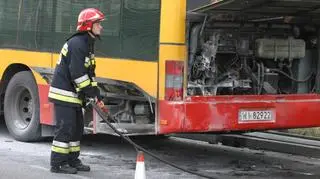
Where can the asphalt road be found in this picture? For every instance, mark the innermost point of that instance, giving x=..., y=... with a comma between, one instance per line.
x=111, y=157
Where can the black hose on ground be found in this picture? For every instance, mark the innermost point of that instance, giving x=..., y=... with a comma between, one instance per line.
x=106, y=116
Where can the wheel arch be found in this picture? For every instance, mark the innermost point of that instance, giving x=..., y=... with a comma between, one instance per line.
x=7, y=75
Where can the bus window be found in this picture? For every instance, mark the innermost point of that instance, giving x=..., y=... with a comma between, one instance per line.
x=140, y=29
x=21, y=28
x=131, y=29
x=110, y=46
x=9, y=21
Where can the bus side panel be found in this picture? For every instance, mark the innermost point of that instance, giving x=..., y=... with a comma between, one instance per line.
x=168, y=108
x=31, y=59
x=173, y=48
x=46, y=108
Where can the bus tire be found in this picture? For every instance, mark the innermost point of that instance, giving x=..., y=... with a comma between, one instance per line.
x=21, y=107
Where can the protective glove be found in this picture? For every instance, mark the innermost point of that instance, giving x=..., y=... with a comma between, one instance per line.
x=101, y=105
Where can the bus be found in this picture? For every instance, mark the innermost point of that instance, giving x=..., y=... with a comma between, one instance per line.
x=169, y=66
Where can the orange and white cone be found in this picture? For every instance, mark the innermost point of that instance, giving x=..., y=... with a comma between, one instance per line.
x=140, y=167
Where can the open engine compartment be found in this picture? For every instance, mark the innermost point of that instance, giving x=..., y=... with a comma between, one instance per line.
x=252, y=58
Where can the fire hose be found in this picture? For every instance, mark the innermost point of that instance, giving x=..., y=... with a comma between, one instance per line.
x=106, y=116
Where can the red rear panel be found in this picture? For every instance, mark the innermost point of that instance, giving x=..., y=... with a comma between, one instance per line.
x=234, y=113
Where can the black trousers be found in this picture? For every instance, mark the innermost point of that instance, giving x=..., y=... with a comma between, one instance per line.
x=67, y=136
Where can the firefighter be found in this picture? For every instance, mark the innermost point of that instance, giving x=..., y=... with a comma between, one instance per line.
x=72, y=83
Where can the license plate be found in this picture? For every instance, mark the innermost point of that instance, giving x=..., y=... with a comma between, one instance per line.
x=256, y=115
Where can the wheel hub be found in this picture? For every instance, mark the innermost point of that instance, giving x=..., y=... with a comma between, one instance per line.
x=24, y=109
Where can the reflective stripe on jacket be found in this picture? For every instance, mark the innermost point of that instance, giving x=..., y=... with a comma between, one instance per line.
x=74, y=74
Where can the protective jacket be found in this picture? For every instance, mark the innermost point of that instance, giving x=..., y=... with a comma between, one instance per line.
x=74, y=75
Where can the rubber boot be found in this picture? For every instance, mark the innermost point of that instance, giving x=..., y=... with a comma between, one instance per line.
x=81, y=167
x=66, y=169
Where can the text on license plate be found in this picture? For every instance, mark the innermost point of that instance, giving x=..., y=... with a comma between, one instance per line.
x=257, y=115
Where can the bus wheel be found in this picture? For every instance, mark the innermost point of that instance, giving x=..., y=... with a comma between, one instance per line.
x=21, y=107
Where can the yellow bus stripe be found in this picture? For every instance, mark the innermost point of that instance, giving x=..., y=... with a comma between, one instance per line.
x=38, y=59
x=173, y=19
x=142, y=73
x=172, y=37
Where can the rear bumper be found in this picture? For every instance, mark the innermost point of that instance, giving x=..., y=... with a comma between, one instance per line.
x=220, y=113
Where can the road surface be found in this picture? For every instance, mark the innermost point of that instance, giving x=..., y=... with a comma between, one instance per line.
x=111, y=157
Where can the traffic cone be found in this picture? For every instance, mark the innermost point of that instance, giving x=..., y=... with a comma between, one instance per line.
x=140, y=168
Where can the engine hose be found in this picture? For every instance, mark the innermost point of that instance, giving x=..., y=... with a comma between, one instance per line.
x=105, y=116
x=262, y=78
x=292, y=81
x=259, y=78
x=291, y=78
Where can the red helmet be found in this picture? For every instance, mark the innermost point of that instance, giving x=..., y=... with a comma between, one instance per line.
x=88, y=17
